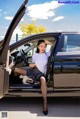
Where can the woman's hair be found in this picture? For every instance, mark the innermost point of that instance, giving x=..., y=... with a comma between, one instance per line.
x=39, y=42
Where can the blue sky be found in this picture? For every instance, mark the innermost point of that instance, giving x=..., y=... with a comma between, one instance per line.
x=53, y=15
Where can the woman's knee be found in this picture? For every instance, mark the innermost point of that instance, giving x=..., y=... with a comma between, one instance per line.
x=20, y=71
x=42, y=79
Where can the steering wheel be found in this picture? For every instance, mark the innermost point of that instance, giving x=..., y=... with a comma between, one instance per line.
x=23, y=57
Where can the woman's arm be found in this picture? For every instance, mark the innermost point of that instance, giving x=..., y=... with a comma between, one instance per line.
x=48, y=43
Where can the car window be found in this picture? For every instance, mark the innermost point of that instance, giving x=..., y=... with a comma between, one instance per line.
x=31, y=46
x=71, y=43
x=31, y=52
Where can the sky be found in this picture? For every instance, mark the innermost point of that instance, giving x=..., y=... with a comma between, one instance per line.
x=53, y=14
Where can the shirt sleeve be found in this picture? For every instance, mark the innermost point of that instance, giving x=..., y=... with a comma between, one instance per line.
x=33, y=59
x=48, y=53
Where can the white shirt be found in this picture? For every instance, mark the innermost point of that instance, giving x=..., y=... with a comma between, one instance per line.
x=41, y=61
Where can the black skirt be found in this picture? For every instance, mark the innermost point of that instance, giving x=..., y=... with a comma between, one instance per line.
x=34, y=73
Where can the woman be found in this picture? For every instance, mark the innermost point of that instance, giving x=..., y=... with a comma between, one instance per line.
x=39, y=60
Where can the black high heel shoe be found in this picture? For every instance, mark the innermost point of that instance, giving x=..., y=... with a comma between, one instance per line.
x=45, y=112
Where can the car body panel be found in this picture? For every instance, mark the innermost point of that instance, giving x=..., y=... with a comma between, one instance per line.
x=67, y=67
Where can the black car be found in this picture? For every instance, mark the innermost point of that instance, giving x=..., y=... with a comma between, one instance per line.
x=63, y=71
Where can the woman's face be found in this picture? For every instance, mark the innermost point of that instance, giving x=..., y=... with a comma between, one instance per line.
x=42, y=47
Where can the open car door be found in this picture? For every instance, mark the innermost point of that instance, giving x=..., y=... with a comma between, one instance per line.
x=4, y=50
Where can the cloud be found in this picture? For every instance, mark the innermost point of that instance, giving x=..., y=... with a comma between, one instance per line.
x=11, y=17
x=5, y=12
x=6, y=27
x=43, y=11
x=1, y=36
x=0, y=10
x=58, y=18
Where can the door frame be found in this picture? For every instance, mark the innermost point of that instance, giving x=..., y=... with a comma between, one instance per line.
x=4, y=80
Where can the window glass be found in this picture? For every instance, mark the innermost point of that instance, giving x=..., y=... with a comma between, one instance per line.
x=71, y=43
x=31, y=47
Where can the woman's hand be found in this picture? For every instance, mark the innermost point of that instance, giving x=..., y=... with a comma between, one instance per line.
x=47, y=42
x=32, y=65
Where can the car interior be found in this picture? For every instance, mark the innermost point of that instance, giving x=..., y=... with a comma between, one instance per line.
x=22, y=56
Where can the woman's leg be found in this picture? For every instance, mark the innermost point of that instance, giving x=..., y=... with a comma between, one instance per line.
x=20, y=71
x=44, y=92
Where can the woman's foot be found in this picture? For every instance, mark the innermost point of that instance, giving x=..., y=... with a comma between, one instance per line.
x=45, y=108
x=9, y=68
x=45, y=112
